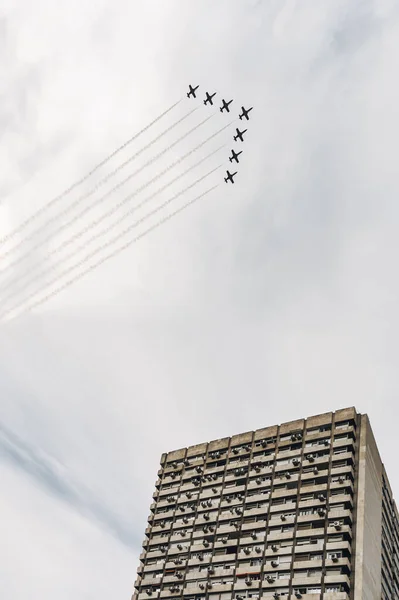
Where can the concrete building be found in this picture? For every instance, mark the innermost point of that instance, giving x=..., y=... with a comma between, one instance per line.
x=299, y=510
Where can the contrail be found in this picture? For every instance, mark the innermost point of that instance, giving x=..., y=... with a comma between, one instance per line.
x=54, y=201
x=114, y=253
x=95, y=203
x=76, y=251
x=33, y=276
x=110, y=243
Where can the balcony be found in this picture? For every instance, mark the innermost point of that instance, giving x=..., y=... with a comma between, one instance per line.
x=145, y=596
x=241, y=584
x=287, y=507
x=337, y=579
x=307, y=564
x=285, y=493
x=314, y=533
x=305, y=581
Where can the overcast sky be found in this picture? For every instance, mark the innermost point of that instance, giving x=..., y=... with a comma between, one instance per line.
x=266, y=301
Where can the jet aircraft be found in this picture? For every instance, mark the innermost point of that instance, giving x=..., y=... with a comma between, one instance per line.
x=230, y=176
x=225, y=105
x=239, y=135
x=208, y=99
x=192, y=91
x=234, y=156
x=245, y=113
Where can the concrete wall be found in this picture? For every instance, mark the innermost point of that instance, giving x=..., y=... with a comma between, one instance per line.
x=367, y=559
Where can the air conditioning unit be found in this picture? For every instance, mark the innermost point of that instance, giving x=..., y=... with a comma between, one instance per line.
x=276, y=595
x=211, y=528
x=224, y=540
x=283, y=517
x=200, y=557
x=228, y=499
x=179, y=547
x=209, y=503
x=185, y=520
x=214, y=490
x=258, y=549
x=321, y=512
x=238, y=597
x=149, y=592
x=186, y=463
x=201, y=586
x=205, y=529
x=326, y=442
x=257, y=469
x=162, y=548
x=203, y=504
x=162, y=523
x=311, y=458
x=189, y=494
x=315, y=470
x=321, y=497
x=235, y=450
x=182, y=508
x=247, y=447
x=296, y=461
x=334, y=557
x=198, y=469
x=247, y=551
x=248, y=581
x=337, y=525
x=211, y=569
x=298, y=594
x=206, y=517
x=288, y=475
x=263, y=443
x=209, y=585
x=341, y=480
x=206, y=543
x=214, y=476
x=179, y=575
x=173, y=475
x=174, y=465
x=253, y=535
x=274, y=563
x=238, y=510
x=258, y=481
x=274, y=547
x=270, y=579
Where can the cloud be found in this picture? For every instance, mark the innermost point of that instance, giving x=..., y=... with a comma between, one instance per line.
x=270, y=300
x=54, y=479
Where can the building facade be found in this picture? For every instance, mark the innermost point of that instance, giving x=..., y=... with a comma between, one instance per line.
x=299, y=510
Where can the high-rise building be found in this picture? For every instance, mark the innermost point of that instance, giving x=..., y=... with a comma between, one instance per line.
x=299, y=510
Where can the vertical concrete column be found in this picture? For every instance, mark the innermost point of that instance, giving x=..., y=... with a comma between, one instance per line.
x=367, y=559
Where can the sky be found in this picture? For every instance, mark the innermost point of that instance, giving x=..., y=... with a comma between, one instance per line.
x=263, y=302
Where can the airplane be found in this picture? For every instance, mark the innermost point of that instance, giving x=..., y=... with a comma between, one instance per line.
x=239, y=135
x=234, y=156
x=230, y=176
x=192, y=91
x=209, y=98
x=225, y=105
x=245, y=113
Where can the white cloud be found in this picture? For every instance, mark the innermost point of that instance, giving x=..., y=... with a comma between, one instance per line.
x=270, y=300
